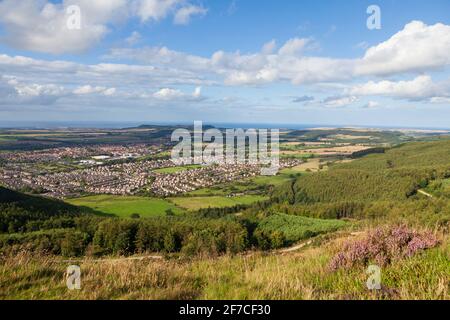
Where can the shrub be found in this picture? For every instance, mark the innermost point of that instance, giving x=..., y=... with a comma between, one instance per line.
x=382, y=246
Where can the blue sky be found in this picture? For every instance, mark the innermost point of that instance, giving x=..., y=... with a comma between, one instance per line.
x=250, y=61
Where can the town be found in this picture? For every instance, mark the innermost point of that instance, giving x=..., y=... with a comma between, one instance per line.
x=114, y=170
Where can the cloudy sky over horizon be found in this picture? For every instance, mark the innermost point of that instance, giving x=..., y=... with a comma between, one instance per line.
x=252, y=61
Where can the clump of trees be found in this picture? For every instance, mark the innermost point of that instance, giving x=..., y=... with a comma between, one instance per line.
x=170, y=234
x=77, y=236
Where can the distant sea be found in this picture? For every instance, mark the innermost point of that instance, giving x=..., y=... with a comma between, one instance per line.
x=130, y=124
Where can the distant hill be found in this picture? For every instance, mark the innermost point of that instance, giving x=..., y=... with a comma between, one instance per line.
x=166, y=127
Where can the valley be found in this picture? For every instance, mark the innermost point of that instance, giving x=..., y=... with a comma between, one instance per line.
x=221, y=231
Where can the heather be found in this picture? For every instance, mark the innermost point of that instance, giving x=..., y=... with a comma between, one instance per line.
x=383, y=245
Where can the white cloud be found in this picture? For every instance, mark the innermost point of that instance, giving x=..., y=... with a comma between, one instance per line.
x=161, y=67
x=288, y=64
x=183, y=15
x=169, y=94
x=103, y=74
x=42, y=25
x=15, y=92
x=155, y=10
x=294, y=47
x=339, y=101
x=88, y=89
x=420, y=87
x=416, y=48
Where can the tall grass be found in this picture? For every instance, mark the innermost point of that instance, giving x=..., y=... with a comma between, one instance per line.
x=301, y=275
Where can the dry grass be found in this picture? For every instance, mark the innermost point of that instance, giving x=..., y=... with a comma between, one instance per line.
x=296, y=275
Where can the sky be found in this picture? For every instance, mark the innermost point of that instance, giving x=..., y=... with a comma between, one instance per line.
x=324, y=62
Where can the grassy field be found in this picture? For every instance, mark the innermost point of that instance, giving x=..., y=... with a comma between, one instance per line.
x=195, y=203
x=246, y=186
x=124, y=207
x=298, y=275
x=310, y=165
x=223, y=190
x=296, y=155
x=273, y=180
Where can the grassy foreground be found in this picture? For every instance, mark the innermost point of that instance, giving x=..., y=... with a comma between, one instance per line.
x=303, y=274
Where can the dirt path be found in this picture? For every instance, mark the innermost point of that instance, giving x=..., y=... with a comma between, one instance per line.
x=296, y=247
x=307, y=243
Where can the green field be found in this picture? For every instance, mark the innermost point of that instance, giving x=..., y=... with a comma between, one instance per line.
x=273, y=180
x=124, y=206
x=176, y=169
x=252, y=185
x=297, y=228
x=222, y=190
x=196, y=203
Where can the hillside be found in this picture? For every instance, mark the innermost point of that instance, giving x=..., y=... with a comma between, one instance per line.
x=34, y=203
x=17, y=209
x=394, y=175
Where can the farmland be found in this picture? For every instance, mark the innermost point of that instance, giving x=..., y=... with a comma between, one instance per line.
x=124, y=207
x=195, y=203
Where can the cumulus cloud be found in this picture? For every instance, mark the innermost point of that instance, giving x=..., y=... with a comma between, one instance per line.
x=169, y=94
x=418, y=88
x=293, y=47
x=236, y=69
x=416, y=48
x=16, y=92
x=88, y=89
x=42, y=26
x=155, y=9
x=292, y=61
